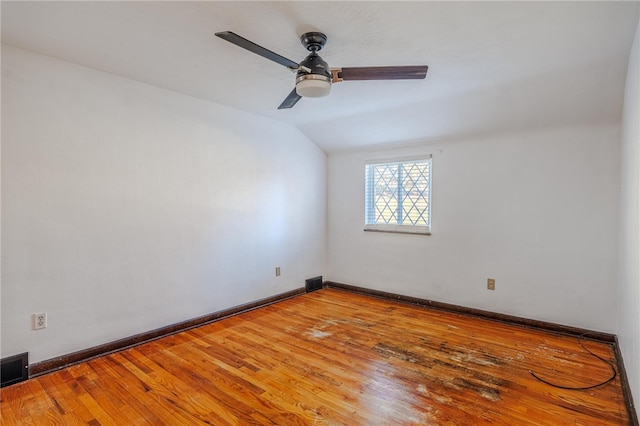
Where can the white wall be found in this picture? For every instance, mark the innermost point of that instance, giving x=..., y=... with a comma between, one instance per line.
x=537, y=211
x=629, y=278
x=127, y=207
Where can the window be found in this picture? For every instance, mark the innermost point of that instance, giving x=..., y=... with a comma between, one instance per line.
x=398, y=195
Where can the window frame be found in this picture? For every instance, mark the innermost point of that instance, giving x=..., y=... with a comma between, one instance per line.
x=369, y=196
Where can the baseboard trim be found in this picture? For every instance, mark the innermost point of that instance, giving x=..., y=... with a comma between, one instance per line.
x=53, y=364
x=626, y=388
x=510, y=319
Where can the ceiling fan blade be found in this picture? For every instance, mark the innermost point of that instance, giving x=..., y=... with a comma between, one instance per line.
x=291, y=100
x=413, y=72
x=252, y=47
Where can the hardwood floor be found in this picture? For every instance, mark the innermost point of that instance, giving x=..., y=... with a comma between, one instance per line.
x=332, y=358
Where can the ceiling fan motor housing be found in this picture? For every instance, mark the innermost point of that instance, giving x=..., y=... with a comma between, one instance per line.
x=316, y=83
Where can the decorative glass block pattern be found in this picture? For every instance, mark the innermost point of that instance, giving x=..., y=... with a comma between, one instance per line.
x=398, y=193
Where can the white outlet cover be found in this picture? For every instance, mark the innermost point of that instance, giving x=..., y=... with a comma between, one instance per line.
x=40, y=321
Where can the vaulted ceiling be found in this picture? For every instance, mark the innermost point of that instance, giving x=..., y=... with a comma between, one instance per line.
x=493, y=66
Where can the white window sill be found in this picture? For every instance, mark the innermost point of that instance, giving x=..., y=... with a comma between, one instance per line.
x=399, y=229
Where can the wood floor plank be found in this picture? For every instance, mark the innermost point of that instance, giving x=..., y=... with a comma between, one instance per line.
x=333, y=358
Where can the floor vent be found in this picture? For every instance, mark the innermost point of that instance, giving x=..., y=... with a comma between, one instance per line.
x=14, y=369
x=313, y=284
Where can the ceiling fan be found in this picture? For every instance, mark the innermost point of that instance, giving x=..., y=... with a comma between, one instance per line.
x=313, y=75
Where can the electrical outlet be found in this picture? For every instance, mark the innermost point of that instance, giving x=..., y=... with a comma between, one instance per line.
x=277, y=271
x=491, y=284
x=40, y=321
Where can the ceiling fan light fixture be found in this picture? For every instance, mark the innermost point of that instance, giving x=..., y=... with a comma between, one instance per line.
x=313, y=85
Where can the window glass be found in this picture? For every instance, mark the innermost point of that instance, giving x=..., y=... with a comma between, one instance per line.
x=398, y=196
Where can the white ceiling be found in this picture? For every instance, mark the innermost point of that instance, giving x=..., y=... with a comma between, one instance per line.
x=493, y=66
